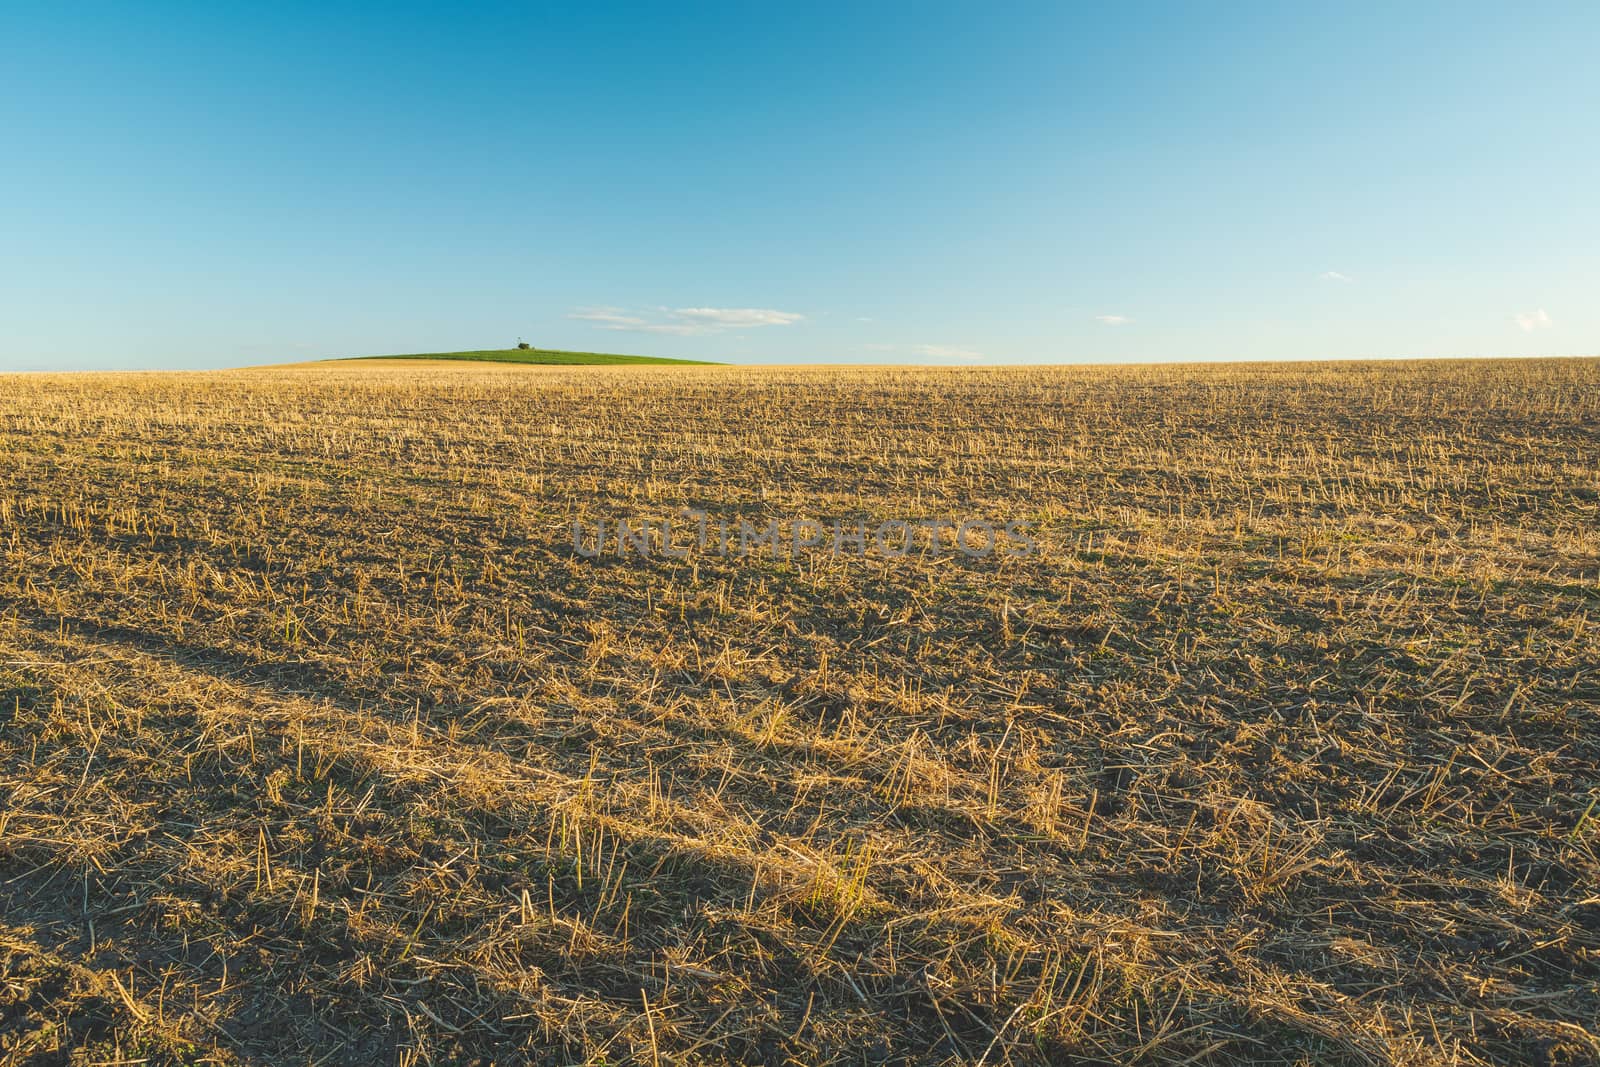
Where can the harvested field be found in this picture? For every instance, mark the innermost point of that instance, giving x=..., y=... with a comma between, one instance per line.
x=320, y=742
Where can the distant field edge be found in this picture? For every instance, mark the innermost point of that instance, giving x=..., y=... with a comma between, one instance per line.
x=541, y=356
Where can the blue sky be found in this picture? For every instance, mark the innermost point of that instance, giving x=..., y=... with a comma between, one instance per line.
x=199, y=186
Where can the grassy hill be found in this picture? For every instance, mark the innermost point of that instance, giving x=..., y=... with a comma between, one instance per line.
x=546, y=356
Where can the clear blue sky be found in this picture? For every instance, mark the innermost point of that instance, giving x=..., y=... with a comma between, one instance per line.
x=187, y=185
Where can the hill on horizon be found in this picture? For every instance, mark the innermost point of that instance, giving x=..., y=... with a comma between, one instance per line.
x=543, y=356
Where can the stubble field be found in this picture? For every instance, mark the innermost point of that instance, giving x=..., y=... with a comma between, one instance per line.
x=321, y=743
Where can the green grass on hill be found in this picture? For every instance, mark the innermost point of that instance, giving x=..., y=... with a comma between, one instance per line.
x=543, y=356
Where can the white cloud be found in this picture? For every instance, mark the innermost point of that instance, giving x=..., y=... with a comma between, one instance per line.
x=1534, y=320
x=945, y=352
x=684, y=322
x=1335, y=276
x=739, y=316
x=608, y=318
x=1112, y=320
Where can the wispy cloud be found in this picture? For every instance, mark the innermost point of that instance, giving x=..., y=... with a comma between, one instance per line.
x=1534, y=320
x=609, y=318
x=1112, y=320
x=684, y=322
x=1335, y=276
x=946, y=352
x=721, y=317
x=940, y=352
